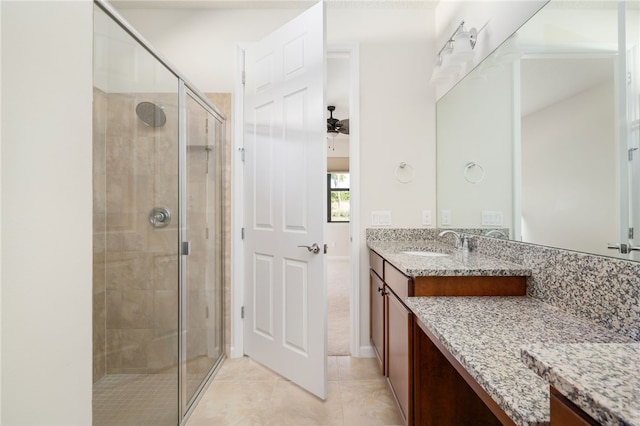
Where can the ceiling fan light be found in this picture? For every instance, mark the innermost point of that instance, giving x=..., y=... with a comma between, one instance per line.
x=335, y=126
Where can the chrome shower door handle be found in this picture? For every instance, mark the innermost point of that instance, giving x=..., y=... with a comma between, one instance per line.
x=160, y=217
x=623, y=247
x=315, y=248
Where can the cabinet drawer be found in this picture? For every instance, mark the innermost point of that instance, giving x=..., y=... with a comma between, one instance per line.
x=376, y=263
x=398, y=282
x=470, y=286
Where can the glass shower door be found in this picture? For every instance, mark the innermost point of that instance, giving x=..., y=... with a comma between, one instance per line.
x=202, y=273
x=136, y=238
x=632, y=27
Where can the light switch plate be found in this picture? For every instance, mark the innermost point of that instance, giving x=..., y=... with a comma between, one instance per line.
x=446, y=217
x=380, y=218
x=491, y=218
x=426, y=217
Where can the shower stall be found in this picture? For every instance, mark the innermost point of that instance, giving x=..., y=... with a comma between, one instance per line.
x=158, y=223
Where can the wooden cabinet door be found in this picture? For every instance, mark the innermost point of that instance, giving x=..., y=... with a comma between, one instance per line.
x=399, y=357
x=376, y=326
x=566, y=413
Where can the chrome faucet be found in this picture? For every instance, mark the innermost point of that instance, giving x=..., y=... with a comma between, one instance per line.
x=455, y=234
x=462, y=241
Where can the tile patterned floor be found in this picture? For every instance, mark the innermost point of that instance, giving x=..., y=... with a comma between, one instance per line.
x=246, y=393
x=135, y=400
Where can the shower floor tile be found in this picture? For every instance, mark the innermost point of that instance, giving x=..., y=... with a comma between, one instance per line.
x=137, y=400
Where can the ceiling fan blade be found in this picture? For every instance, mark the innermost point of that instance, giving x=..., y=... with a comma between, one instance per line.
x=343, y=126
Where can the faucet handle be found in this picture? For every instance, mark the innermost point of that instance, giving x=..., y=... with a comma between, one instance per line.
x=465, y=242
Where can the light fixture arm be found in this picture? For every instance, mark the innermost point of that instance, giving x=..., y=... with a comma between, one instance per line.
x=473, y=34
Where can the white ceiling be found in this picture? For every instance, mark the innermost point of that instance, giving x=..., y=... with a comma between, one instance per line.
x=337, y=94
x=272, y=4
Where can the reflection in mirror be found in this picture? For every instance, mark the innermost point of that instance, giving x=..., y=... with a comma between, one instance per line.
x=549, y=121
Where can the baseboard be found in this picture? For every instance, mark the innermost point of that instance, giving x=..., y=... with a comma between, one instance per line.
x=366, y=352
x=235, y=352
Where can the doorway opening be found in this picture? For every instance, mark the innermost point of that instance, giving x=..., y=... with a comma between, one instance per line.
x=342, y=202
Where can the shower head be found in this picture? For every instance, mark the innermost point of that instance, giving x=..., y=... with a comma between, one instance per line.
x=151, y=114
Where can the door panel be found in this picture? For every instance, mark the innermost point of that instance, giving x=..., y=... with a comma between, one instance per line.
x=295, y=306
x=284, y=142
x=263, y=296
x=203, y=266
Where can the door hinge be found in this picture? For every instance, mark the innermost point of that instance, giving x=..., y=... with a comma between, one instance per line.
x=241, y=154
x=242, y=233
x=242, y=312
x=631, y=233
x=244, y=77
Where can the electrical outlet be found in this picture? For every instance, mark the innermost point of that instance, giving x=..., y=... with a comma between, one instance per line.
x=426, y=217
x=446, y=217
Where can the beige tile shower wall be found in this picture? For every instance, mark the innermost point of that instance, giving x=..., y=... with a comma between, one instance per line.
x=223, y=102
x=136, y=266
x=141, y=262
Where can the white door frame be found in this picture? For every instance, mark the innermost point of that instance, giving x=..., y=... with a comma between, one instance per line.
x=237, y=206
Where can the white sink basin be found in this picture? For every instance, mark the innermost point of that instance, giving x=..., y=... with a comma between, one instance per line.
x=425, y=253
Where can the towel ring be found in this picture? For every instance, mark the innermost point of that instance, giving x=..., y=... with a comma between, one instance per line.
x=406, y=169
x=473, y=179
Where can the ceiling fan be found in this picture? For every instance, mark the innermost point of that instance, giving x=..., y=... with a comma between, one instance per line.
x=335, y=126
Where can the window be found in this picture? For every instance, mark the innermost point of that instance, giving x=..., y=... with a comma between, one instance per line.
x=338, y=203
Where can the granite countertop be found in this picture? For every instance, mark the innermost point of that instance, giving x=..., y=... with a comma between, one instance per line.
x=601, y=378
x=456, y=263
x=485, y=334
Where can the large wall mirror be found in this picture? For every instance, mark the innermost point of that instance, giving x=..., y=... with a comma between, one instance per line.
x=541, y=140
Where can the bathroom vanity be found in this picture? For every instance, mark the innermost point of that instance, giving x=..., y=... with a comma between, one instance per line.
x=452, y=357
x=403, y=270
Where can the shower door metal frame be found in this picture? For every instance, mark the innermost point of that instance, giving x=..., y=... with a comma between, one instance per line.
x=184, y=91
x=184, y=88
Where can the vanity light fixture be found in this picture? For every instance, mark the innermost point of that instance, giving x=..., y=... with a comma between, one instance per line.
x=455, y=54
x=460, y=44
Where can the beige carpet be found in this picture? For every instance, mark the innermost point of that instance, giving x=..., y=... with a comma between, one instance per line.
x=338, y=289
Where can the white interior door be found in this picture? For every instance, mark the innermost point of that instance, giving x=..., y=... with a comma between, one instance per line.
x=284, y=175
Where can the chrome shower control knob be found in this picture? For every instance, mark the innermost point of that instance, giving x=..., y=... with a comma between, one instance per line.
x=160, y=217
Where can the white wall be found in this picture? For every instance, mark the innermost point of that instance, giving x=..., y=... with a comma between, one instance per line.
x=201, y=43
x=476, y=124
x=46, y=213
x=581, y=133
x=397, y=106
